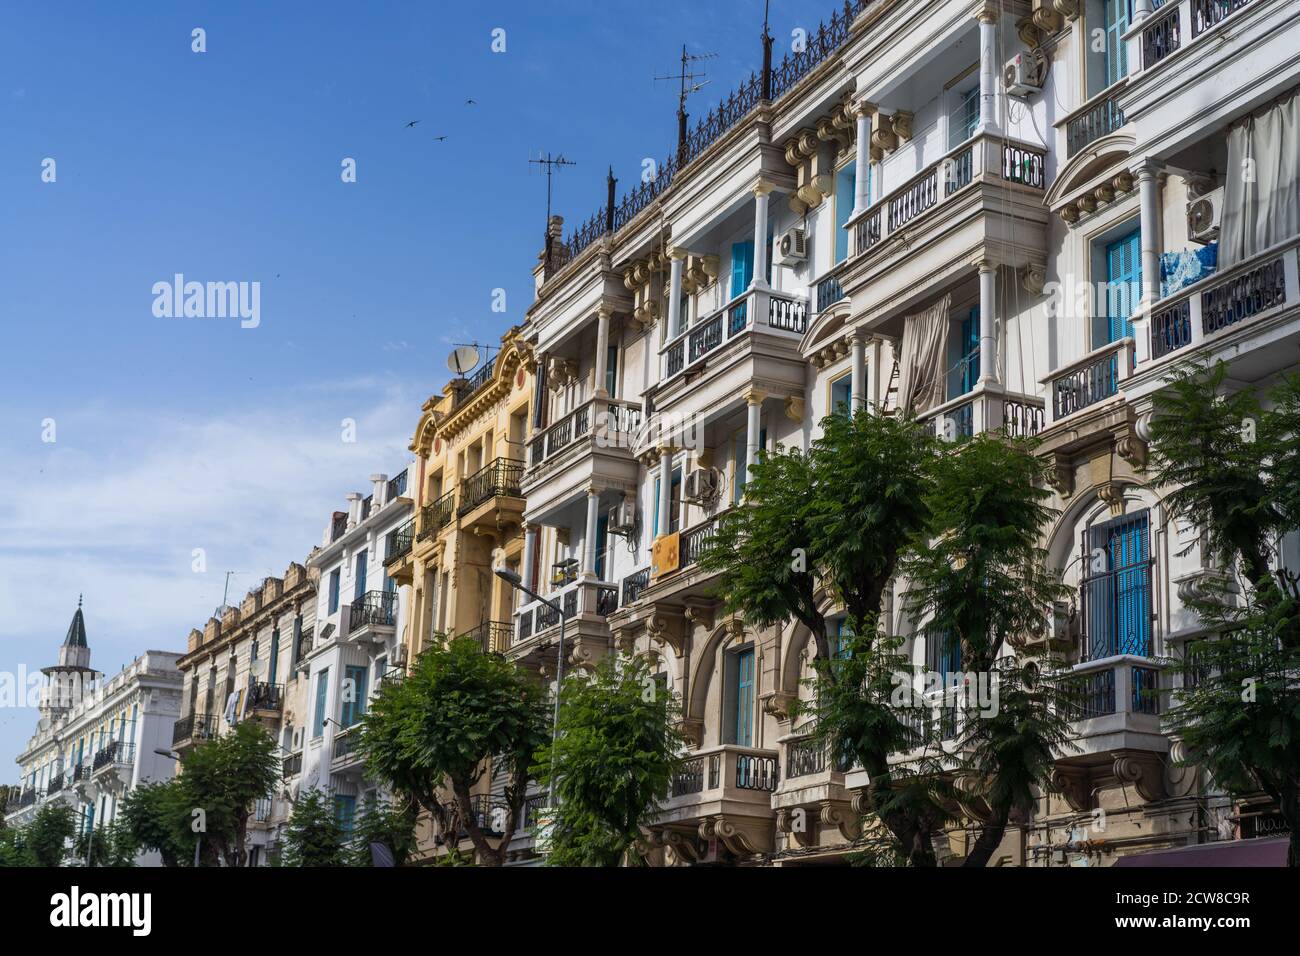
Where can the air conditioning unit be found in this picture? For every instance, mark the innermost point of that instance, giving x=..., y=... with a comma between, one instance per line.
x=792, y=247
x=1204, y=214
x=622, y=517
x=1023, y=74
x=701, y=485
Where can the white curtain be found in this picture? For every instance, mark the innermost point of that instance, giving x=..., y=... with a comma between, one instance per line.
x=1261, y=195
x=922, y=379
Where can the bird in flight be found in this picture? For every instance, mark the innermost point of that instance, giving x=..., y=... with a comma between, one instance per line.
x=471, y=103
x=412, y=123
x=440, y=138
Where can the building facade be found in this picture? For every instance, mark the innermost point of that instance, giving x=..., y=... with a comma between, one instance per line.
x=98, y=738
x=360, y=617
x=994, y=216
x=250, y=663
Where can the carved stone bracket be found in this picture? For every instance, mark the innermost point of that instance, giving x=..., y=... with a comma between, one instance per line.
x=1146, y=771
x=843, y=817
x=777, y=703
x=692, y=728
x=1073, y=784
x=664, y=629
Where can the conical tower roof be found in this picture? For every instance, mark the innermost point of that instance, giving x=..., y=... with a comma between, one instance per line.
x=77, y=629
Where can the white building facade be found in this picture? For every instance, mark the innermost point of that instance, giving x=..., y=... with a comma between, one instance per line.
x=361, y=616
x=99, y=738
x=1007, y=216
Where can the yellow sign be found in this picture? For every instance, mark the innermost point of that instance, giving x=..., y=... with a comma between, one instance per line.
x=665, y=555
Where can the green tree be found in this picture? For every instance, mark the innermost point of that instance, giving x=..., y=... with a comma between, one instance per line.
x=224, y=778
x=1230, y=467
x=612, y=762
x=14, y=850
x=828, y=529
x=157, y=817
x=980, y=582
x=389, y=823
x=458, y=710
x=314, y=836
x=47, y=837
x=111, y=845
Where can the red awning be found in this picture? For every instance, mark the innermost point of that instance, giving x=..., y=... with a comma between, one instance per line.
x=1265, y=852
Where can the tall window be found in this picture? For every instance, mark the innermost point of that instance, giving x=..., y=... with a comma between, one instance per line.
x=674, y=503
x=275, y=654
x=964, y=116
x=964, y=355
x=345, y=811
x=611, y=371
x=842, y=395
x=1116, y=16
x=354, y=695
x=334, y=590
x=845, y=189
x=322, y=695
x=742, y=266
x=359, y=578
x=602, y=543
x=1117, y=587
x=1123, y=284
x=742, y=698
x=942, y=652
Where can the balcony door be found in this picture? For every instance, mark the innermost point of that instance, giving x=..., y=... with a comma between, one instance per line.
x=742, y=266
x=1116, y=18
x=1123, y=284
x=602, y=544
x=740, y=696
x=1117, y=587
x=964, y=354
x=359, y=578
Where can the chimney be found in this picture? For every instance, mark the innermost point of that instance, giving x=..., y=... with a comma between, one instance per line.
x=354, y=509
x=380, y=485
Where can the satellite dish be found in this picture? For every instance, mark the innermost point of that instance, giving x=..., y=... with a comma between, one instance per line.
x=463, y=358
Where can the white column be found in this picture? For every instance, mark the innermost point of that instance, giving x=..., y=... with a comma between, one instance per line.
x=876, y=382
x=988, y=19
x=1149, y=198
x=1142, y=9
x=988, y=312
x=858, y=381
x=589, y=536
x=761, y=250
x=665, y=488
x=862, y=167
x=530, y=553
x=677, y=258
x=754, y=402
x=602, y=351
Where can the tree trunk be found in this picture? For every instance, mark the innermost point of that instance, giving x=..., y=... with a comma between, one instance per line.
x=990, y=837
x=912, y=834
x=489, y=855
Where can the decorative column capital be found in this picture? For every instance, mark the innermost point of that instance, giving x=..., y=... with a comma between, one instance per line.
x=677, y=253
x=985, y=263
x=861, y=108
x=762, y=188
x=755, y=396
x=988, y=14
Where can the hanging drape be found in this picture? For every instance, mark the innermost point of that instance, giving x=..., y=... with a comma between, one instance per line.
x=1261, y=195
x=924, y=351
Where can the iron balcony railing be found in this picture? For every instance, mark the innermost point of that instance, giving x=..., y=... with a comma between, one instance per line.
x=397, y=486
x=614, y=422
x=773, y=82
x=757, y=773
x=829, y=291
x=634, y=584
x=492, y=636
x=264, y=696
x=436, y=516
x=1161, y=36
x=27, y=798
x=1098, y=119
x=501, y=478
x=291, y=766
x=690, y=778
x=114, y=753
x=1093, y=379
x=466, y=389
x=399, y=543
x=195, y=727
x=694, y=540
x=80, y=774
x=345, y=745
x=56, y=783
x=374, y=609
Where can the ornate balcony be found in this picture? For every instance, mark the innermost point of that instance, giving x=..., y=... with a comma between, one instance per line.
x=372, y=617
x=398, y=561
x=986, y=408
x=492, y=637
x=721, y=793
x=436, y=516
x=754, y=310
x=193, y=729
x=1226, y=305
x=1090, y=380
x=345, y=758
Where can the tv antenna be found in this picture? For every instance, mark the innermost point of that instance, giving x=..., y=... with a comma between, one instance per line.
x=552, y=163
x=689, y=82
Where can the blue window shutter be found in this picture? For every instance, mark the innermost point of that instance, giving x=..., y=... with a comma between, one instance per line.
x=602, y=544
x=845, y=185
x=1123, y=284
x=334, y=590
x=742, y=266
x=322, y=691
x=611, y=370
x=745, y=698
x=359, y=585
x=656, y=518
x=1116, y=23
x=970, y=341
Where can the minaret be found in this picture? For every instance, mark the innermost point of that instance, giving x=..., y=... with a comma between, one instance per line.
x=71, y=678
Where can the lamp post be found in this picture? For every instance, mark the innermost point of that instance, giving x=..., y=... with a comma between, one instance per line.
x=515, y=581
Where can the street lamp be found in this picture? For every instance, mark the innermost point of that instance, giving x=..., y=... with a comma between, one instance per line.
x=515, y=581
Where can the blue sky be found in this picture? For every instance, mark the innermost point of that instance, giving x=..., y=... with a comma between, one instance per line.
x=176, y=434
